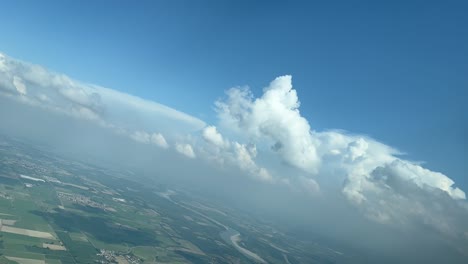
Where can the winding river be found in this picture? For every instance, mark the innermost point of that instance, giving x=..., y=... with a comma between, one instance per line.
x=230, y=236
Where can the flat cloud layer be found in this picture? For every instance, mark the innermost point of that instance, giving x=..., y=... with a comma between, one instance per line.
x=371, y=176
x=124, y=113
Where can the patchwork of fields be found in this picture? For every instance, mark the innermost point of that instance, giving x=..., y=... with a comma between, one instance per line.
x=55, y=211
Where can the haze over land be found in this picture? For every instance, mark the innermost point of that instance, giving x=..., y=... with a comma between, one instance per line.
x=262, y=155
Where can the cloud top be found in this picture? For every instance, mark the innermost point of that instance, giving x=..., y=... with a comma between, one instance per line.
x=373, y=176
x=274, y=117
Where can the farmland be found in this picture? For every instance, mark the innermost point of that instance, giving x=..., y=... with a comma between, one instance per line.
x=59, y=211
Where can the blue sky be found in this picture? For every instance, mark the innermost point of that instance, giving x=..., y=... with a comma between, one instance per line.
x=395, y=71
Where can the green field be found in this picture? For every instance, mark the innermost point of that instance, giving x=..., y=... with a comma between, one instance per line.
x=90, y=210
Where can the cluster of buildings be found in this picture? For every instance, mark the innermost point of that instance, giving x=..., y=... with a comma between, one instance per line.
x=28, y=165
x=80, y=199
x=5, y=196
x=110, y=256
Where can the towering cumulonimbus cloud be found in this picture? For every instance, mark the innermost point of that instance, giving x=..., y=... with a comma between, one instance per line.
x=274, y=116
x=385, y=187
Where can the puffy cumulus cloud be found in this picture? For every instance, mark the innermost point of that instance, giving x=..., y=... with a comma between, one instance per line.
x=185, y=149
x=211, y=134
x=147, y=138
x=357, y=157
x=124, y=113
x=141, y=136
x=421, y=177
x=159, y=140
x=240, y=155
x=374, y=178
x=274, y=116
x=244, y=157
x=397, y=194
x=351, y=158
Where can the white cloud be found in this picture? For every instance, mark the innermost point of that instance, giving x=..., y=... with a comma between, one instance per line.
x=147, y=138
x=144, y=113
x=185, y=149
x=402, y=193
x=79, y=95
x=274, y=117
x=241, y=155
x=159, y=140
x=422, y=177
x=35, y=85
x=84, y=113
x=374, y=178
x=211, y=135
x=141, y=136
x=244, y=156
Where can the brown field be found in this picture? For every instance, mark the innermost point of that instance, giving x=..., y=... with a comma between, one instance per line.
x=7, y=222
x=25, y=260
x=26, y=232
